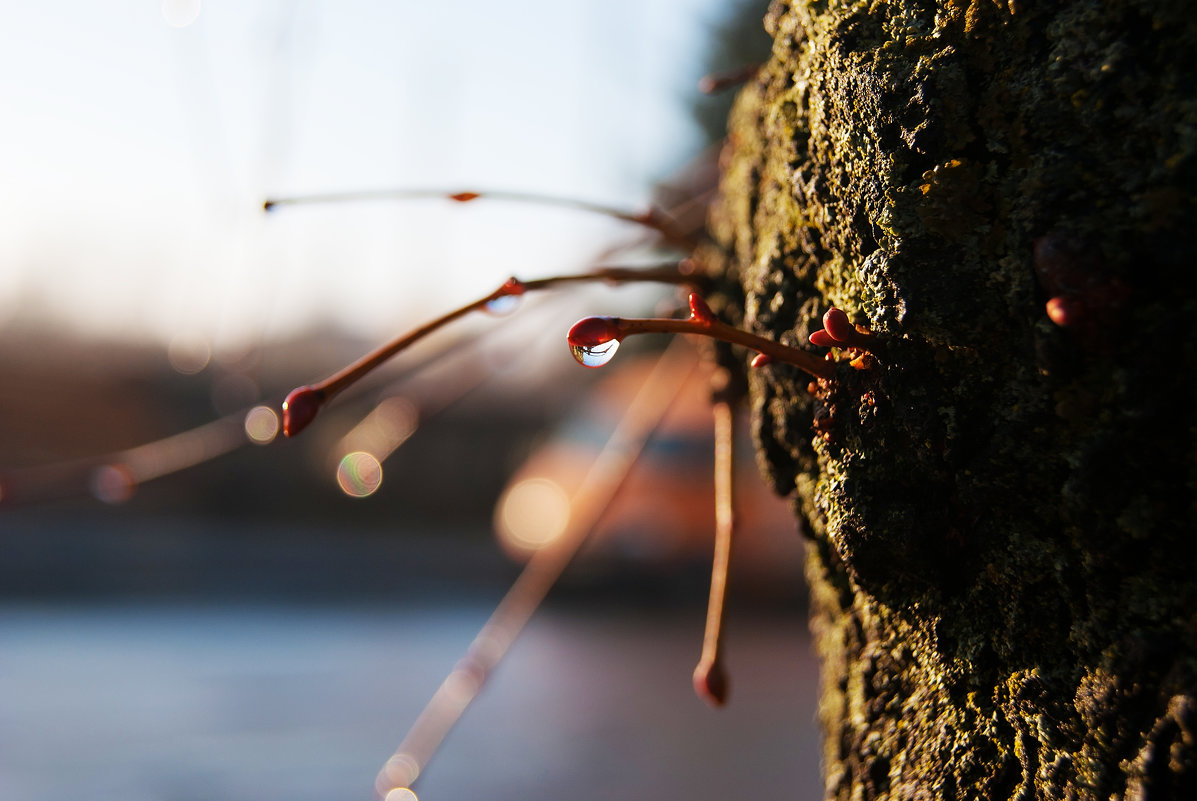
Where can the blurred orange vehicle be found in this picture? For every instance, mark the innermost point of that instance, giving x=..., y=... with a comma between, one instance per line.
x=664, y=513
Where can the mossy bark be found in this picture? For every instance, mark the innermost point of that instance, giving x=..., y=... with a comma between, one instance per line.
x=1001, y=510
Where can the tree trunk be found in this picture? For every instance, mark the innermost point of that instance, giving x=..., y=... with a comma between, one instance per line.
x=1001, y=507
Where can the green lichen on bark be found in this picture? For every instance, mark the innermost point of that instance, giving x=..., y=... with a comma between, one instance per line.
x=1001, y=511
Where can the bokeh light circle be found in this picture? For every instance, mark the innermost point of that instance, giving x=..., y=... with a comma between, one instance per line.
x=533, y=514
x=189, y=353
x=359, y=474
x=401, y=794
x=261, y=425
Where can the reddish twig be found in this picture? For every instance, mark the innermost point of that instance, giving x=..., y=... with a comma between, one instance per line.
x=594, y=340
x=303, y=403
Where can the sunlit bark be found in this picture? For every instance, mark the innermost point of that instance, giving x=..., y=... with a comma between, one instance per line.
x=1001, y=512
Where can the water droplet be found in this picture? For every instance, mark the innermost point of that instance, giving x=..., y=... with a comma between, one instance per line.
x=594, y=340
x=503, y=305
x=595, y=355
x=359, y=474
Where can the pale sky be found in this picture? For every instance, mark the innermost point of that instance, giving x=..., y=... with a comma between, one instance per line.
x=134, y=155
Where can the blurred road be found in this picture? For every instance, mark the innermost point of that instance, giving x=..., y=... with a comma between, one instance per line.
x=254, y=702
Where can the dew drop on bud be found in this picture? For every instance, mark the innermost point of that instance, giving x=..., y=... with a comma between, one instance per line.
x=594, y=340
x=506, y=298
x=502, y=305
x=595, y=355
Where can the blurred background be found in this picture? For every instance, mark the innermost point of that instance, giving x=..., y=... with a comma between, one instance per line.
x=194, y=608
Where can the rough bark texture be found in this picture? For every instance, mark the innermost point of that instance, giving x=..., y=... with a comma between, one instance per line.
x=1001, y=510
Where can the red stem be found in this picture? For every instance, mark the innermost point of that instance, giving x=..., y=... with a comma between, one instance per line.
x=302, y=404
x=652, y=218
x=720, y=330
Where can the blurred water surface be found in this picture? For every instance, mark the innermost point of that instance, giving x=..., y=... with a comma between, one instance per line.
x=255, y=701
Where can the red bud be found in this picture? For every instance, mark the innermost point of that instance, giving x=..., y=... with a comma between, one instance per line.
x=711, y=684
x=700, y=311
x=838, y=326
x=591, y=331
x=300, y=408
x=822, y=339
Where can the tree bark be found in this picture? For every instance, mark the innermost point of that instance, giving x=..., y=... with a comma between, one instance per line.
x=1000, y=510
